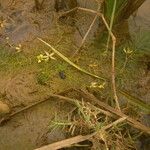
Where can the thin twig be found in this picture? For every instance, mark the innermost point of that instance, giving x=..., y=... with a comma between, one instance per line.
x=7, y=118
x=114, y=123
x=88, y=31
x=113, y=56
x=107, y=113
x=85, y=36
x=113, y=75
x=113, y=53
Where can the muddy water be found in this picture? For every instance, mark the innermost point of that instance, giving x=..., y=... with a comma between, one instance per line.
x=139, y=26
x=21, y=22
x=141, y=19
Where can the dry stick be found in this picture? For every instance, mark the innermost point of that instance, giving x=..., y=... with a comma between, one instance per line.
x=113, y=75
x=107, y=113
x=113, y=123
x=101, y=131
x=113, y=48
x=7, y=118
x=88, y=31
x=67, y=12
x=65, y=143
x=80, y=138
x=131, y=121
x=85, y=37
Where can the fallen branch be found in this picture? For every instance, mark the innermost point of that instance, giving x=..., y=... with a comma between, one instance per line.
x=8, y=117
x=65, y=143
x=80, y=138
x=85, y=36
x=88, y=31
x=130, y=120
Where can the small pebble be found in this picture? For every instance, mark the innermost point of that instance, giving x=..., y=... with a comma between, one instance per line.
x=4, y=109
x=62, y=75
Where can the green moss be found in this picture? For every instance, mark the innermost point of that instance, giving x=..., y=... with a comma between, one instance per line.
x=43, y=77
x=10, y=61
x=61, y=66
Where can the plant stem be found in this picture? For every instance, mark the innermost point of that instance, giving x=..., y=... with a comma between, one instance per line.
x=111, y=23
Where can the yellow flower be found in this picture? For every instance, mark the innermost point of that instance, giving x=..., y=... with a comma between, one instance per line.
x=96, y=85
x=102, y=86
x=127, y=50
x=40, y=58
x=93, y=85
x=46, y=57
x=18, y=48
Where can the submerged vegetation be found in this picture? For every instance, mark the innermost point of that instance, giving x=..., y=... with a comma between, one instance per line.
x=99, y=87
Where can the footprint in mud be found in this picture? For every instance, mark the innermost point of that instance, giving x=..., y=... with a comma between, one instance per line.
x=22, y=90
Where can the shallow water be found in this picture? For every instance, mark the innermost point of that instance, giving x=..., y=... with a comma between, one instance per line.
x=141, y=19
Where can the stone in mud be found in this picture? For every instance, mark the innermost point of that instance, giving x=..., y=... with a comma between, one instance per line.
x=65, y=4
x=22, y=33
x=4, y=109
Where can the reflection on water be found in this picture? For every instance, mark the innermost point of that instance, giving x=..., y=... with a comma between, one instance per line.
x=141, y=20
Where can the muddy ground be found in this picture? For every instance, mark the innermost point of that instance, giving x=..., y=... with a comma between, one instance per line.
x=24, y=81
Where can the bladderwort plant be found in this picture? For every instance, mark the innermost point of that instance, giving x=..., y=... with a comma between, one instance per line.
x=128, y=53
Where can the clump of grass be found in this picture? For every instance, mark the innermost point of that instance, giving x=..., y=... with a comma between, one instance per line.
x=141, y=42
x=86, y=118
x=61, y=66
x=43, y=77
